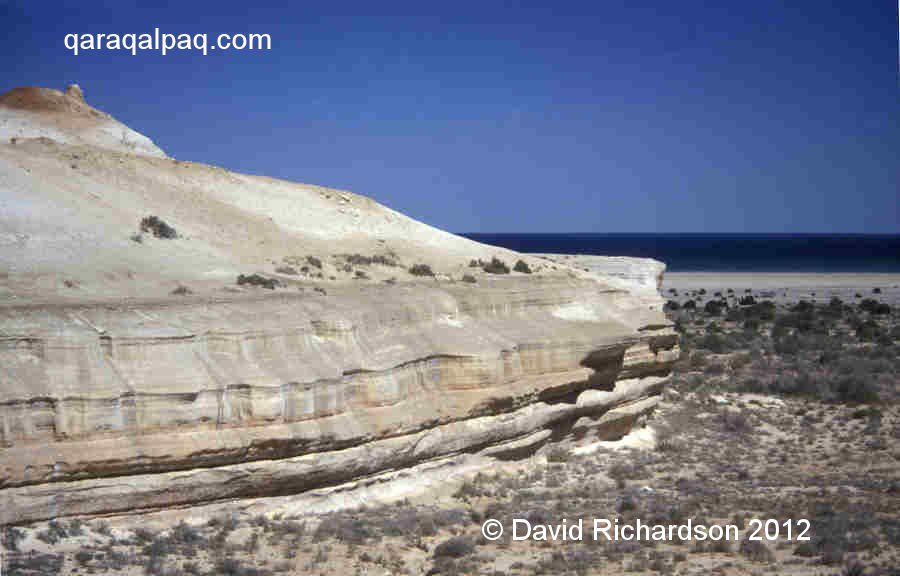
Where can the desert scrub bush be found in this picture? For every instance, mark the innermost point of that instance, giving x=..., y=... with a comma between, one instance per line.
x=715, y=369
x=740, y=361
x=672, y=305
x=522, y=266
x=558, y=454
x=455, y=547
x=495, y=266
x=314, y=262
x=257, y=280
x=714, y=307
x=181, y=290
x=787, y=345
x=734, y=315
x=360, y=260
x=764, y=311
x=698, y=360
x=756, y=551
x=713, y=342
x=689, y=305
x=735, y=421
x=421, y=270
x=11, y=538
x=855, y=389
x=84, y=556
x=287, y=270
x=53, y=533
x=468, y=278
x=345, y=528
x=874, y=307
x=868, y=331
x=35, y=563
x=158, y=228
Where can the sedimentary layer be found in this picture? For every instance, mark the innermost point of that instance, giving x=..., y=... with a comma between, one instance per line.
x=185, y=403
x=135, y=373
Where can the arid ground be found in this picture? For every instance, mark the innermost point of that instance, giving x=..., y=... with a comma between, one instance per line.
x=783, y=407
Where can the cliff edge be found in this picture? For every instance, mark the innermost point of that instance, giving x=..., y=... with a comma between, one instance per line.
x=272, y=337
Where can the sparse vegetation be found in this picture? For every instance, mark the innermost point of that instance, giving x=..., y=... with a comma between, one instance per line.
x=380, y=259
x=158, y=227
x=421, y=270
x=815, y=440
x=522, y=266
x=495, y=266
x=257, y=280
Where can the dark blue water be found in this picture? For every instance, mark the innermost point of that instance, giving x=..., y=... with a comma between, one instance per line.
x=723, y=252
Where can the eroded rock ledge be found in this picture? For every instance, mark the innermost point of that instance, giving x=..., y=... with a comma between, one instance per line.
x=116, y=408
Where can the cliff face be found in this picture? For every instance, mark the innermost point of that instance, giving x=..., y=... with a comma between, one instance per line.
x=116, y=394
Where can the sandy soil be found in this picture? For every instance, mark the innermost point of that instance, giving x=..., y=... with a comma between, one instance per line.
x=787, y=286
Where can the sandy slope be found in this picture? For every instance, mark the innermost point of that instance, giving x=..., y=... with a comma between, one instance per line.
x=71, y=198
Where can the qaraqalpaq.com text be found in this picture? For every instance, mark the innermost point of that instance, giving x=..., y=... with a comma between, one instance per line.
x=163, y=42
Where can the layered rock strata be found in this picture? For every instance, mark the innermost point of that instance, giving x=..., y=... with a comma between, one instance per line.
x=120, y=393
x=172, y=404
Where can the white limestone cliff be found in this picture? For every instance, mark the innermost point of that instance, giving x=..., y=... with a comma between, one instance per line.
x=119, y=392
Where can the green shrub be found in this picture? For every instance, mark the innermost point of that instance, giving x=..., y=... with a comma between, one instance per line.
x=713, y=342
x=522, y=266
x=868, y=331
x=714, y=369
x=874, y=307
x=734, y=315
x=455, y=547
x=714, y=307
x=421, y=270
x=764, y=310
x=257, y=280
x=757, y=551
x=158, y=227
x=856, y=389
x=495, y=266
x=360, y=260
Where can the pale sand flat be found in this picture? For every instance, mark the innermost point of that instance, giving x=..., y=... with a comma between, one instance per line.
x=788, y=286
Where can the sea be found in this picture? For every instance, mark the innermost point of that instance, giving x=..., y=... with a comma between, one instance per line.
x=810, y=253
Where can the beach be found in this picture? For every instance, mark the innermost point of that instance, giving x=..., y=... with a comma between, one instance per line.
x=787, y=287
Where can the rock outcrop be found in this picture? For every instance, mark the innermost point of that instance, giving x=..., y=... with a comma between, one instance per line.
x=32, y=112
x=117, y=394
x=644, y=274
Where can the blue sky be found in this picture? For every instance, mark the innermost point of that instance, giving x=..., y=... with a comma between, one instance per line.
x=626, y=116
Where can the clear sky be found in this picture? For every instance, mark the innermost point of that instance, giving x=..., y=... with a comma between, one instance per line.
x=624, y=116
